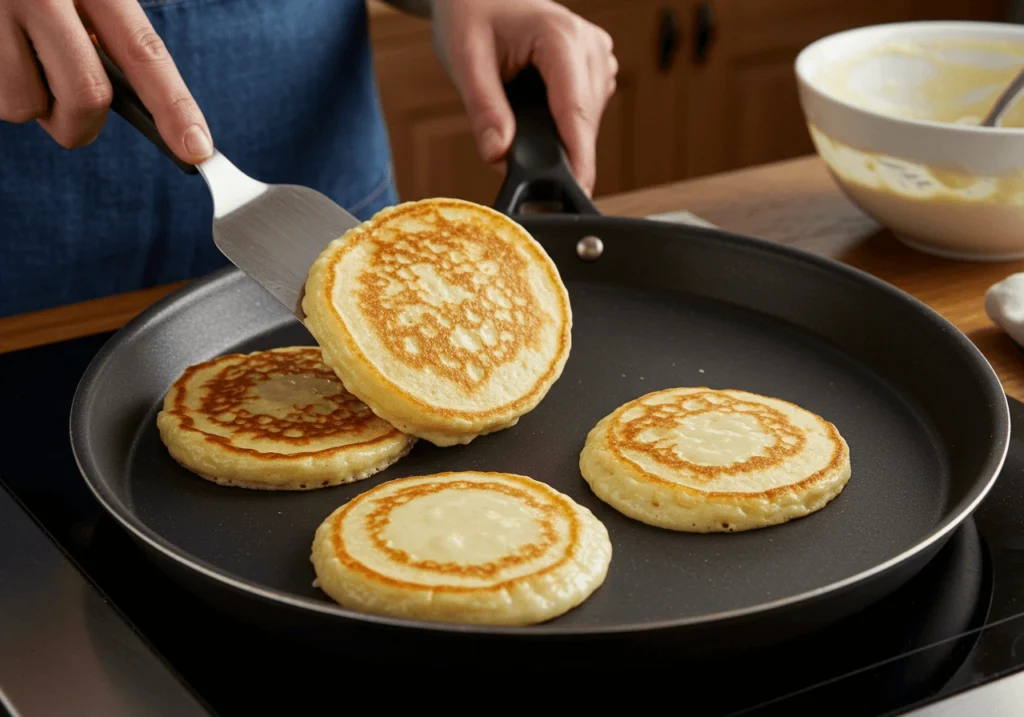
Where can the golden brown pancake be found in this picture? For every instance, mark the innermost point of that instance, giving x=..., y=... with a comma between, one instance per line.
x=705, y=460
x=274, y=420
x=471, y=547
x=444, y=316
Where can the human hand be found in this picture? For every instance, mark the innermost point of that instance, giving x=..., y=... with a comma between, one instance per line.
x=482, y=43
x=59, y=33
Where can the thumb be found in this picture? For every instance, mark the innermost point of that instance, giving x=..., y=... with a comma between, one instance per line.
x=477, y=76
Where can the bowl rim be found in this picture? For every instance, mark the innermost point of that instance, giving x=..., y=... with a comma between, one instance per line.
x=800, y=66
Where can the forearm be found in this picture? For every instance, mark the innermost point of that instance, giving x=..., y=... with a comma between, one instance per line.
x=413, y=7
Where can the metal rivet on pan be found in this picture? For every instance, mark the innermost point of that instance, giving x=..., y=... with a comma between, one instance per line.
x=589, y=248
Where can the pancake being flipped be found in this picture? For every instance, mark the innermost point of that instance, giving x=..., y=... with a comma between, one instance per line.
x=446, y=317
x=274, y=420
x=702, y=460
x=485, y=548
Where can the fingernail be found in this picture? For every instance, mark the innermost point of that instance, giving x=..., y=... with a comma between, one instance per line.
x=491, y=144
x=197, y=142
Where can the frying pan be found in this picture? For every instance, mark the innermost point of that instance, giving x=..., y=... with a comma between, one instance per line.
x=655, y=305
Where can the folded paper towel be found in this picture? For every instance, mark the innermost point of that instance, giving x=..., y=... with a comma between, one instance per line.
x=682, y=217
x=1004, y=304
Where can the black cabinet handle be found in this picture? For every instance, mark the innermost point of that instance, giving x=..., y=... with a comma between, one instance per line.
x=704, y=32
x=668, y=39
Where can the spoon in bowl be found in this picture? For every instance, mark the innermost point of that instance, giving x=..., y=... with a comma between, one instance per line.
x=1005, y=100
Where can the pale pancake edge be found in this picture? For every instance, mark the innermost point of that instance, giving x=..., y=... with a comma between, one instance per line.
x=469, y=547
x=446, y=317
x=274, y=420
x=706, y=460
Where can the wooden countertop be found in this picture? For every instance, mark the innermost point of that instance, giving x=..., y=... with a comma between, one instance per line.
x=794, y=202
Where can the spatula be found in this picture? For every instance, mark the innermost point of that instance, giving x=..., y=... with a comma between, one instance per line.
x=272, y=232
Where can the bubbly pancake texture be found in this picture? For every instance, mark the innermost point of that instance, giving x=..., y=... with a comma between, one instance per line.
x=703, y=460
x=274, y=420
x=446, y=317
x=469, y=547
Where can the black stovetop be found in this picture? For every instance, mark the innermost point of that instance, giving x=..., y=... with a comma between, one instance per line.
x=957, y=624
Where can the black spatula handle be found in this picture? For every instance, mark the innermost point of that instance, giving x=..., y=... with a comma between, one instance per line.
x=538, y=168
x=127, y=104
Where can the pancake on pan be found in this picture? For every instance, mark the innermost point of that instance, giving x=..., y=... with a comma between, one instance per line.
x=274, y=420
x=702, y=460
x=484, y=548
x=446, y=317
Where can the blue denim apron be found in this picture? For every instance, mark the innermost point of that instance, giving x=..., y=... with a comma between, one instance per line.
x=288, y=89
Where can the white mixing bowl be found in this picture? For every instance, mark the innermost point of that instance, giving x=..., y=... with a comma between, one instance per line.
x=890, y=109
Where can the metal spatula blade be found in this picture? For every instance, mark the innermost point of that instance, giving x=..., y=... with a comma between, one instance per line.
x=272, y=232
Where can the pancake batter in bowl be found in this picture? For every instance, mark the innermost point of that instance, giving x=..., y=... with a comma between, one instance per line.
x=939, y=208
x=950, y=80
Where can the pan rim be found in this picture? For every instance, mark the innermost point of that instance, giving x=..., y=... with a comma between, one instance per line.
x=194, y=291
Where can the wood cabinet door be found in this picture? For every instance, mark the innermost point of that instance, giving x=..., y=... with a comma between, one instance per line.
x=434, y=152
x=740, y=96
x=639, y=130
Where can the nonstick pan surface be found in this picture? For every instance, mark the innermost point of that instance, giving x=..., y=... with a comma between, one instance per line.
x=665, y=305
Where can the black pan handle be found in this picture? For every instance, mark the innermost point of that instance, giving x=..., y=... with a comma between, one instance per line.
x=127, y=104
x=538, y=168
